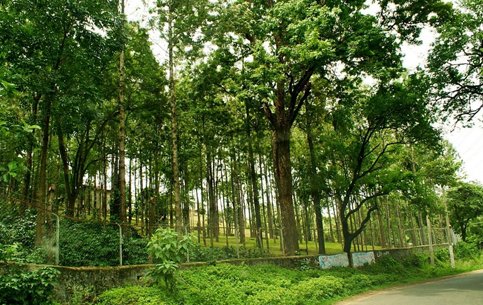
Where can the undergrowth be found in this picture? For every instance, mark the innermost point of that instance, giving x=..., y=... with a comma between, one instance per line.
x=269, y=284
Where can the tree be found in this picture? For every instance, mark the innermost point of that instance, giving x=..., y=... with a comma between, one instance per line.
x=286, y=43
x=178, y=23
x=41, y=38
x=369, y=135
x=465, y=204
x=456, y=62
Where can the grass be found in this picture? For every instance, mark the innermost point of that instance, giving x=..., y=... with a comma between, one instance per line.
x=273, y=247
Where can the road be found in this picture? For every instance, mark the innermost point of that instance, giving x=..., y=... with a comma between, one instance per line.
x=462, y=289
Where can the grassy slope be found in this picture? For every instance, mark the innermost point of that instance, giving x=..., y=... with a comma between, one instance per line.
x=268, y=284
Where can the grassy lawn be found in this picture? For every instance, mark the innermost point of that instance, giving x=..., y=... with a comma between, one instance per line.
x=274, y=245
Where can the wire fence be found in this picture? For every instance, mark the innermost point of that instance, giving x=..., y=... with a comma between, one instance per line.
x=267, y=242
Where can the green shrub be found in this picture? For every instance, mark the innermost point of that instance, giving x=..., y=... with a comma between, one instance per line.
x=168, y=250
x=358, y=282
x=132, y=295
x=314, y=290
x=16, y=252
x=273, y=296
x=28, y=287
x=15, y=227
x=96, y=244
x=464, y=250
x=135, y=251
x=441, y=255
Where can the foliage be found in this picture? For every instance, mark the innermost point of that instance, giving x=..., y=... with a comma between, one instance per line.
x=455, y=63
x=464, y=250
x=16, y=228
x=96, y=244
x=465, y=204
x=269, y=284
x=27, y=287
x=133, y=295
x=168, y=250
x=208, y=254
x=17, y=236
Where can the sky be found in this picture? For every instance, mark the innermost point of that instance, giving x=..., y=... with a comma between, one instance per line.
x=468, y=142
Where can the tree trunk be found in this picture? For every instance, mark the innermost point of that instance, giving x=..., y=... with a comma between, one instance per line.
x=174, y=128
x=283, y=177
x=27, y=195
x=253, y=180
x=315, y=192
x=213, y=210
x=122, y=138
x=269, y=202
x=41, y=193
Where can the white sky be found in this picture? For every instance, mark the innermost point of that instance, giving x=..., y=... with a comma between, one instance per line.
x=467, y=141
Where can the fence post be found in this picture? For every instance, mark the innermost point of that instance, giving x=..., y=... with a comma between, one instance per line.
x=430, y=239
x=449, y=233
x=57, y=239
x=120, y=244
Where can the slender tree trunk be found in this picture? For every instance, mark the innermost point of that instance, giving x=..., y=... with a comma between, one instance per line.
x=237, y=204
x=174, y=128
x=315, y=192
x=104, y=183
x=122, y=137
x=382, y=235
x=337, y=222
x=40, y=201
x=129, y=199
x=65, y=166
x=202, y=195
x=253, y=180
x=213, y=210
x=402, y=242
x=331, y=229
x=269, y=202
x=27, y=195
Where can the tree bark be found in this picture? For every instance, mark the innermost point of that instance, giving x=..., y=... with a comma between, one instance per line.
x=315, y=192
x=174, y=128
x=122, y=137
x=41, y=194
x=283, y=177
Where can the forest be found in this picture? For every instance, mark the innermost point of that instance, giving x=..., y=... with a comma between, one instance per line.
x=268, y=127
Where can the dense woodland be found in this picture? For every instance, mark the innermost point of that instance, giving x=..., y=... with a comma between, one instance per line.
x=291, y=121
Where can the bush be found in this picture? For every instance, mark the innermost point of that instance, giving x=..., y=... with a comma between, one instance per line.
x=168, y=250
x=464, y=250
x=28, y=287
x=17, y=228
x=133, y=295
x=96, y=244
x=314, y=290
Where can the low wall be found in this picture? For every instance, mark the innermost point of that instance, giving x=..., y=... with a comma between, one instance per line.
x=98, y=279
x=359, y=259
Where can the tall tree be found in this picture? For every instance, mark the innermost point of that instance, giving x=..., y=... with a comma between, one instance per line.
x=178, y=24
x=122, y=126
x=286, y=43
x=369, y=135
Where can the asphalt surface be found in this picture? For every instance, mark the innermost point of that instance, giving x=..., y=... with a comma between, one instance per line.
x=462, y=289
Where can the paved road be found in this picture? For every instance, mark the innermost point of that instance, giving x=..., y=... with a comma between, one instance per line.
x=464, y=289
